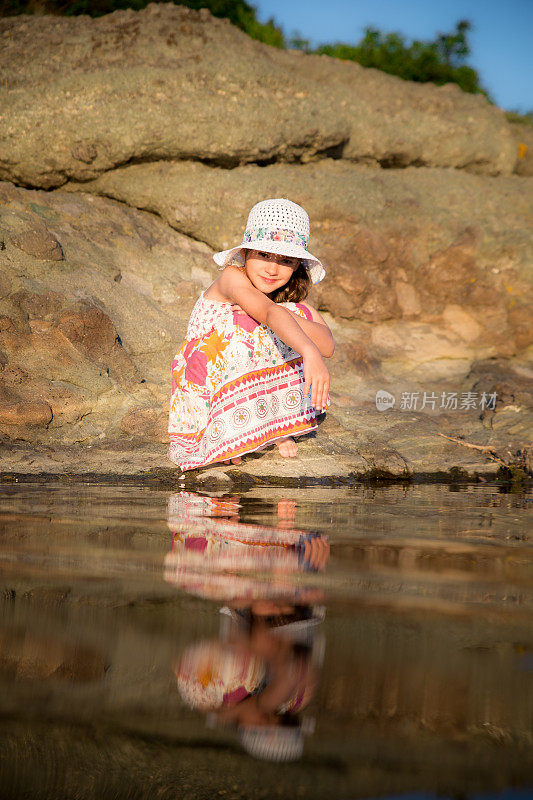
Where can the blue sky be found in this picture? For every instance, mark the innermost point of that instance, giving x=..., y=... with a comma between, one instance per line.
x=501, y=40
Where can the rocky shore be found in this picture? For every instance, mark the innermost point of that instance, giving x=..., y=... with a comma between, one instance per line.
x=132, y=146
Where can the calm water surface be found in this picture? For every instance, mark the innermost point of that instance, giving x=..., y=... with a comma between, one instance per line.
x=307, y=643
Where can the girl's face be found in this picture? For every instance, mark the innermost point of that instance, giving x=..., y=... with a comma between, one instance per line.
x=269, y=271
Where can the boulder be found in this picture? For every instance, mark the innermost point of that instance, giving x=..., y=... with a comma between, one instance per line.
x=86, y=339
x=81, y=96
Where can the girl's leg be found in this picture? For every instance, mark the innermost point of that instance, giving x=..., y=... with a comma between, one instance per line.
x=237, y=460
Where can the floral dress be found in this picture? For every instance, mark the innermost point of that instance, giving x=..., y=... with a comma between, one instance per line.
x=236, y=387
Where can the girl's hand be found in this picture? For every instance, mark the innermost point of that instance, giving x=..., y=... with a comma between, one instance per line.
x=316, y=377
x=315, y=553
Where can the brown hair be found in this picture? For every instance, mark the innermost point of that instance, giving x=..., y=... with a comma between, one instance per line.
x=296, y=289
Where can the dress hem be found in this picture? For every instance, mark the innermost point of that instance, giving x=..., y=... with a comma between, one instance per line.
x=247, y=452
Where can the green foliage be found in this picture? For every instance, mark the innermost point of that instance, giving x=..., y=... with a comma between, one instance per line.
x=440, y=61
x=523, y=119
x=243, y=16
x=297, y=42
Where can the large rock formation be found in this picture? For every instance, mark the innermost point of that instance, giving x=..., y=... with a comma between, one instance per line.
x=429, y=285
x=85, y=95
x=86, y=336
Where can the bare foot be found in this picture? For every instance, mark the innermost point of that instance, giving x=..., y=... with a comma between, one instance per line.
x=237, y=460
x=287, y=447
x=286, y=514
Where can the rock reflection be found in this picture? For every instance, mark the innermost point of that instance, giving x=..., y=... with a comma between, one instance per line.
x=30, y=656
x=262, y=672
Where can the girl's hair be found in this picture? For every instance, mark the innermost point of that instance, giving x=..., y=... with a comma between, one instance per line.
x=295, y=290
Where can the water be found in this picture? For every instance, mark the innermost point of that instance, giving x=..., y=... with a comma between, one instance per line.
x=307, y=643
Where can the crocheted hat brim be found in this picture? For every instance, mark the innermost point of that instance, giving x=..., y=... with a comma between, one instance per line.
x=311, y=262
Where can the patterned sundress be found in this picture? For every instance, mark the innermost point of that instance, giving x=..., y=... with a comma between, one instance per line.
x=236, y=387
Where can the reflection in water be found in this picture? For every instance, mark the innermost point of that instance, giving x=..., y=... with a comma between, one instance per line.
x=131, y=667
x=214, y=555
x=263, y=670
x=28, y=656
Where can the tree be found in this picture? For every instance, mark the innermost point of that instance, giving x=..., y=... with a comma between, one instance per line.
x=440, y=61
x=453, y=48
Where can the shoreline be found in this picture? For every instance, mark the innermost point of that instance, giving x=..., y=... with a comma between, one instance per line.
x=218, y=479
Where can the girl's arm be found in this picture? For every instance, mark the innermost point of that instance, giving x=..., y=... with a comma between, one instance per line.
x=317, y=330
x=238, y=289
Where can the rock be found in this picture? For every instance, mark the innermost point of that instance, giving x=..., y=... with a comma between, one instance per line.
x=39, y=244
x=87, y=95
x=396, y=123
x=91, y=332
x=415, y=211
x=84, y=152
x=23, y=415
x=79, y=350
x=38, y=306
x=214, y=479
x=148, y=423
x=523, y=135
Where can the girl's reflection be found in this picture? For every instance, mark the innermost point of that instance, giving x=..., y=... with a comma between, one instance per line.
x=214, y=555
x=263, y=670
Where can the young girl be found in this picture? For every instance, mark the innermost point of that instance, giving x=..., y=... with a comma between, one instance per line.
x=251, y=369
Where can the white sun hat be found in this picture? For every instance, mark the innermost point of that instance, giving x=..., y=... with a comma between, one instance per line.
x=276, y=226
x=272, y=743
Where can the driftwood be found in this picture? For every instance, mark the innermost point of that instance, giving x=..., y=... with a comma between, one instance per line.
x=485, y=448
